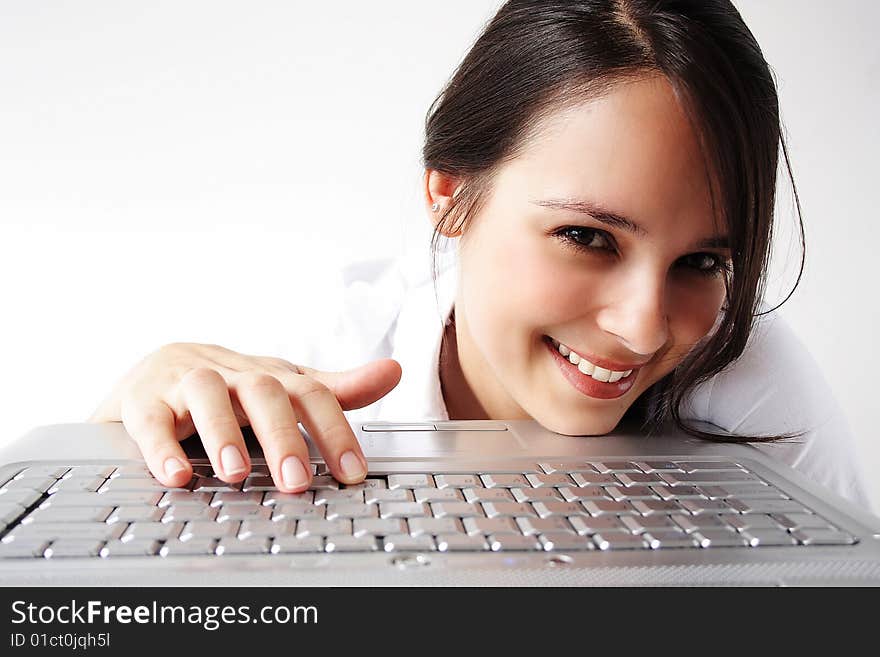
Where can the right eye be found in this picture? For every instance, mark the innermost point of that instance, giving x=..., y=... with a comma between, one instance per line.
x=590, y=239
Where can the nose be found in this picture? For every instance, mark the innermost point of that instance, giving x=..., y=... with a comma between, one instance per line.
x=636, y=314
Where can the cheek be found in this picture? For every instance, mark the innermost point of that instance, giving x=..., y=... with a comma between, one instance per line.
x=694, y=313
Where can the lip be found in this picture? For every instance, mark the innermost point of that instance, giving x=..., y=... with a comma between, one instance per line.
x=587, y=385
x=601, y=362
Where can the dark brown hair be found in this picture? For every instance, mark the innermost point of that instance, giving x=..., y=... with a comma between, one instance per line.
x=535, y=56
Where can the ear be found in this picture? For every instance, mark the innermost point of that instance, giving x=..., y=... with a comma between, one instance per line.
x=440, y=190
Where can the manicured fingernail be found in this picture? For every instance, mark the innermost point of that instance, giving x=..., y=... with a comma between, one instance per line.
x=232, y=460
x=172, y=466
x=293, y=473
x=351, y=465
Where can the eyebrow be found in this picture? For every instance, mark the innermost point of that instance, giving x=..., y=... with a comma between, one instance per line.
x=604, y=216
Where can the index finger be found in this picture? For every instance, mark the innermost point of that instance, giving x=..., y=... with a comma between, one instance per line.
x=320, y=413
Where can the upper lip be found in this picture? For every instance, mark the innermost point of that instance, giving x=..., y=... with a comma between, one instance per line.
x=613, y=365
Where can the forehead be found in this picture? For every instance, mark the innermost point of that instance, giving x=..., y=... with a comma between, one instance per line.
x=632, y=150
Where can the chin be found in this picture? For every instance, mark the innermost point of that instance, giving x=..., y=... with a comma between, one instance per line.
x=579, y=427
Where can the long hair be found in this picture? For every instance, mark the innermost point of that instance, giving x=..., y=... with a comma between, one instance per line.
x=537, y=56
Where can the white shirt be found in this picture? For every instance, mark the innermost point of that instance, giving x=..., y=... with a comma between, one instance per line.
x=390, y=311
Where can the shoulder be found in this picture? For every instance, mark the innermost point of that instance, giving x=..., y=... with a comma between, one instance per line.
x=777, y=387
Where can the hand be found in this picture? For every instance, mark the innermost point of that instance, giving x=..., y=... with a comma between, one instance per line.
x=184, y=388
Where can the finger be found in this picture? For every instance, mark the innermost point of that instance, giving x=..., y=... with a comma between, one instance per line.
x=316, y=406
x=206, y=395
x=361, y=386
x=152, y=427
x=267, y=406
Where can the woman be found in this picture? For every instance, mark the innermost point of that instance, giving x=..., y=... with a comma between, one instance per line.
x=608, y=171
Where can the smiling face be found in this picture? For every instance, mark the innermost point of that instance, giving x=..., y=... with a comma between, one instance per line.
x=600, y=235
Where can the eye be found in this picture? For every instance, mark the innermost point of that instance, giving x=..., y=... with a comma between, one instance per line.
x=585, y=238
x=707, y=264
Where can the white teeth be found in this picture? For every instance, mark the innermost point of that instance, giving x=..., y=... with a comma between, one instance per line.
x=588, y=368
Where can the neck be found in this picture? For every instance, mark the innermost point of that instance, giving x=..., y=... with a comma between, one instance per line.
x=461, y=402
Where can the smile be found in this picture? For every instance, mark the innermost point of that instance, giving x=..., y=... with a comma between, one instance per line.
x=589, y=378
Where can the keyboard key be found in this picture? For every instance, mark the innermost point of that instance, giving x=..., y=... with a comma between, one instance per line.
x=547, y=509
x=183, y=497
x=565, y=541
x=214, y=485
x=435, y=526
x=611, y=540
x=352, y=510
x=505, y=481
x=323, y=527
x=273, y=498
x=616, y=466
x=228, y=498
x=68, y=514
x=297, y=545
x=509, y=509
x=639, y=525
x=554, y=525
x=533, y=494
x=438, y=495
x=88, y=471
x=461, y=542
x=21, y=548
x=593, y=479
x=9, y=513
x=653, y=507
x=77, y=485
x=707, y=466
x=578, y=494
x=132, y=498
x=678, y=492
x=298, y=511
x=458, y=510
x=638, y=478
x=585, y=525
x=659, y=539
x=323, y=482
x=97, y=531
x=23, y=497
x=379, y=496
x=159, y=531
x=458, y=481
x=206, y=529
x=270, y=528
x=549, y=480
x=709, y=477
x=746, y=491
x=363, y=543
x=407, y=543
x=474, y=495
x=123, y=485
x=340, y=495
x=513, y=543
x=190, y=547
x=379, y=526
x=404, y=510
x=136, y=514
x=487, y=526
x=53, y=471
x=410, y=481
x=565, y=466
x=768, y=506
x=187, y=512
x=707, y=538
x=139, y=548
x=795, y=521
x=657, y=466
x=632, y=493
x=72, y=548
x=698, y=507
x=823, y=537
x=243, y=512
x=253, y=545
x=751, y=521
x=605, y=507
x=768, y=537
x=367, y=484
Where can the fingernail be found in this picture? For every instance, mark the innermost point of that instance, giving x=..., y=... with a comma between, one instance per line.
x=293, y=474
x=351, y=466
x=172, y=466
x=232, y=460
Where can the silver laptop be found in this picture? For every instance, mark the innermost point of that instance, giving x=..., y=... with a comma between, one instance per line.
x=445, y=503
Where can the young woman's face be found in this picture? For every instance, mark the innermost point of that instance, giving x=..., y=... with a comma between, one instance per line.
x=601, y=237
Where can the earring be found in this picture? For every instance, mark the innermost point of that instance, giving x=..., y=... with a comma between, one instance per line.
x=435, y=207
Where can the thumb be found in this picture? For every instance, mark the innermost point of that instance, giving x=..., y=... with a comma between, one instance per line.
x=362, y=385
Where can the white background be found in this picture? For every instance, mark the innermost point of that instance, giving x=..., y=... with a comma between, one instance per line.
x=199, y=170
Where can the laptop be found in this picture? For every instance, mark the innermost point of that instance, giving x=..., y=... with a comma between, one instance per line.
x=475, y=503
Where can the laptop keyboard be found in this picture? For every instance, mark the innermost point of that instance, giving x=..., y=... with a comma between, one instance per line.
x=55, y=511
